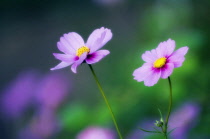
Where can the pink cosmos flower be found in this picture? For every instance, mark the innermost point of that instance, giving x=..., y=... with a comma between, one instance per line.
x=160, y=62
x=76, y=51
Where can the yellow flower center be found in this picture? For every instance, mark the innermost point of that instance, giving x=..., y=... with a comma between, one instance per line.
x=82, y=50
x=159, y=63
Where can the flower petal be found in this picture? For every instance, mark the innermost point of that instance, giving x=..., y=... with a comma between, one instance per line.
x=64, y=57
x=177, y=57
x=152, y=77
x=61, y=65
x=165, y=48
x=72, y=40
x=64, y=47
x=161, y=50
x=167, y=70
x=149, y=56
x=98, y=38
x=170, y=46
x=78, y=62
x=96, y=56
x=141, y=73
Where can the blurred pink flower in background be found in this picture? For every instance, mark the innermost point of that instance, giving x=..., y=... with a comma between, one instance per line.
x=42, y=126
x=76, y=51
x=95, y=132
x=37, y=99
x=160, y=62
x=18, y=95
x=183, y=119
x=53, y=90
x=29, y=89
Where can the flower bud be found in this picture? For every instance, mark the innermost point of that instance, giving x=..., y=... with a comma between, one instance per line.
x=159, y=123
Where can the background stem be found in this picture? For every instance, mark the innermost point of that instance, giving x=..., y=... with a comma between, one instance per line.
x=105, y=99
x=169, y=108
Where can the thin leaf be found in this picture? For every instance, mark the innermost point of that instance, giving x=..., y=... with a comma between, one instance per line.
x=161, y=132
x=157, y=130
x=161, y=116
x=171, y=131
x=149, y=131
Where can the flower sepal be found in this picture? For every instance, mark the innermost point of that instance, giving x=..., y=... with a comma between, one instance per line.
x=159, y=123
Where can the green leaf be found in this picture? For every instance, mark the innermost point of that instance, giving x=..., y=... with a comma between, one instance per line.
x=149, y=131
x=157, y=130
x=161, y=116
x=171, y=131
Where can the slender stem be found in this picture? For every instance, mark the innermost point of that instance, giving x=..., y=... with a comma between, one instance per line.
x=165, y=135
x=169, y=108
x=107, y=103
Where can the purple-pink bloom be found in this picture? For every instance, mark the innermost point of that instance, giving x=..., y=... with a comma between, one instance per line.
x=18, y=96
x=94, y=132
x=43, y=125
x=52, y=90
x=160, y=62
x=184, y=119
x=76, y=51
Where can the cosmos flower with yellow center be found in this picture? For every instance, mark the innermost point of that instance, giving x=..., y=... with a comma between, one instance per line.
x=160, y=62
x=76, y=51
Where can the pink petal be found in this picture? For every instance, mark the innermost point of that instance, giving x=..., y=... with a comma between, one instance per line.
x=167, y=70
x=63, y=47
x=78, y=62
x=61, y=65
x=170, y=46
x=64, y=57
x=165, y=48
x=74, y=40
x=149, y=56
x=161, y=49
x=70, y=42
x=152, y=78
x=141, y=73
x=98, y=38
x=96, y=56
x=177, y=57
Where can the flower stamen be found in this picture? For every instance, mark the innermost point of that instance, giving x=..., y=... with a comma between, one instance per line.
x=82, y=50
x=159, y=63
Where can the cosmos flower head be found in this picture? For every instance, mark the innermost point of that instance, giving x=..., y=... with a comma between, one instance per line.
x=160, y=62
x=76, y=51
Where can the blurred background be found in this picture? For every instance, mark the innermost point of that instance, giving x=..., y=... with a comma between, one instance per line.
x=37, y=103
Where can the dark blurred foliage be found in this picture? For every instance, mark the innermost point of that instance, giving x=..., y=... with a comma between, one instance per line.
x=31, y=29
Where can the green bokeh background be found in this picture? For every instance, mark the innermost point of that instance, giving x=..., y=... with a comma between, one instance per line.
x=31, y=29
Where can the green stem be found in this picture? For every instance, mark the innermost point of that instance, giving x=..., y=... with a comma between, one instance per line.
x=165, y=135
x=169, y=109
x=107, y=103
